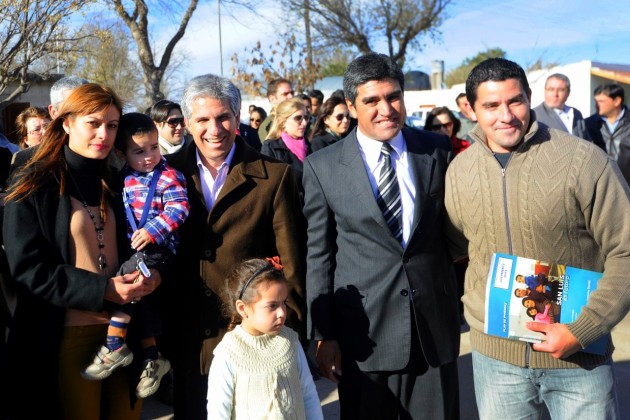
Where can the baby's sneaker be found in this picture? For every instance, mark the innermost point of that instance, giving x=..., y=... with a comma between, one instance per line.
x=106, y=361
x=152, y=374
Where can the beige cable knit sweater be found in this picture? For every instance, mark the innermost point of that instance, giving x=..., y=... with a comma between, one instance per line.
x=559, y=199
x=267, y=383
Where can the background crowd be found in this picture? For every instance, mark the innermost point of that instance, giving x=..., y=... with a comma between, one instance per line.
x=374, y=224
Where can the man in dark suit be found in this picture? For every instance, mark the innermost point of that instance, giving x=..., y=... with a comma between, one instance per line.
x=242, y=205
x=381, y=291
x=609, y=127
x=555, y=113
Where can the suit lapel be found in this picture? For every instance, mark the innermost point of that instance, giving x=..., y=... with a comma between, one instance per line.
x=358, y=180
x=246, y=162
x=557, y=121
x=186, y=161
x=421, y=165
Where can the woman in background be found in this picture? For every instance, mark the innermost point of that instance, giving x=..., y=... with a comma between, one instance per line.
x=333, y=123
x=286, y=140
x=30, y=126
x=256, y=117
x=442, y=120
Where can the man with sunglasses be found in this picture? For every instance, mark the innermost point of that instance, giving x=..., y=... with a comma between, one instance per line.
x=169, y=121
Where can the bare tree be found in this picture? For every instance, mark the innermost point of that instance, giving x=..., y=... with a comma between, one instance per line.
x=138, y=23
x=364, y=24
x=105, y=57
x=285, y=58
x=31, y=31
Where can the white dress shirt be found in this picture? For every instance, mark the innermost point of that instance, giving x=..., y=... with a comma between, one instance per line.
x=566, y=116
x=371, y=154
x=210, y=186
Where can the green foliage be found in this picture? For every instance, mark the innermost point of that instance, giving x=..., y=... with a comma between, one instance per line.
x=335, y=63
x=460, y=73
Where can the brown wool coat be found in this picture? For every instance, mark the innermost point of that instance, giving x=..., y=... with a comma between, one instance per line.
x=257, y=214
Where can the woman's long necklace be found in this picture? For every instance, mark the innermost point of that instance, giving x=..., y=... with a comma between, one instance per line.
x=99, y=228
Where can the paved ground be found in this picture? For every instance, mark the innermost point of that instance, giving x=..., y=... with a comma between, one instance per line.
x=330, y=405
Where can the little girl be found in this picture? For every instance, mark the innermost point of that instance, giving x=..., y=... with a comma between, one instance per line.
x=259, y=370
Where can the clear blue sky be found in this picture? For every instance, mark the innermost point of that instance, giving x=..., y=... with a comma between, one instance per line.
x=559, y=31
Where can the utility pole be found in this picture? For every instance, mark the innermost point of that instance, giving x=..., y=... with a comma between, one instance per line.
x=220, y=40
x=309, y=46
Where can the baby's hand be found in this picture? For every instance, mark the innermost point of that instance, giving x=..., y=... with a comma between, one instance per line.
x=140, y=239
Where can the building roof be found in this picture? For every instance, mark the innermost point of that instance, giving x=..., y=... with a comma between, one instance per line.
x=616, y=72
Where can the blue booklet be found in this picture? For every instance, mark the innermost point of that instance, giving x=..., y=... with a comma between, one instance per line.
x=521, y=290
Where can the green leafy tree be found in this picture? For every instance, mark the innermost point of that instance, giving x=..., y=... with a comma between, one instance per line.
x=460, y=73
x=335, y=63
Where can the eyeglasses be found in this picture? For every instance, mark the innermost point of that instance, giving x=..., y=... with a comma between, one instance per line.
x=38, y=131
x=255, y=120
x=174, y=122
x=340, y=117
x=438, y=126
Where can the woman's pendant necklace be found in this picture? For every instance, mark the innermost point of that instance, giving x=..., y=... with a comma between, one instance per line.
x=102, y=263
x=98, y=227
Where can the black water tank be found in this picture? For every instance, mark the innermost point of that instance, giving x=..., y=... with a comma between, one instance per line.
x=417, y=80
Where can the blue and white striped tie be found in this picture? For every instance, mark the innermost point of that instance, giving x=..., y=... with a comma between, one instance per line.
x=389, y=193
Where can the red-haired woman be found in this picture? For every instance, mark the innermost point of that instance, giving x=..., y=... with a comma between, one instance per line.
x=65, y=236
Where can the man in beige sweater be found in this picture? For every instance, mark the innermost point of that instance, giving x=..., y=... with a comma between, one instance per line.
x=535, y=192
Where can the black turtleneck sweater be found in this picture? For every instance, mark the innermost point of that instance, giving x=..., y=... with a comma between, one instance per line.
x=86, y=175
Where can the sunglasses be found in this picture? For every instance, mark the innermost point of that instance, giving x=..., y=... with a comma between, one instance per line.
x=255, y=120
x=340, y=117
x=438, y=126
x=174, y=122
x=299, y=118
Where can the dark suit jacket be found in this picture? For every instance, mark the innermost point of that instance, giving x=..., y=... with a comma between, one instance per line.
x=603, y=138
x=360, y=281
x=257, y=214
x=250, y=135
x=550, y=118
x=278, y=149
x=319, y=142
x=20, y=159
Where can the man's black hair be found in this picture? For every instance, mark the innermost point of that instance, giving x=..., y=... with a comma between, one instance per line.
x=132, y=124
x=317, y=94
x=160, y=110
x=370, y=67
x=612, y=90
x=495, y=70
